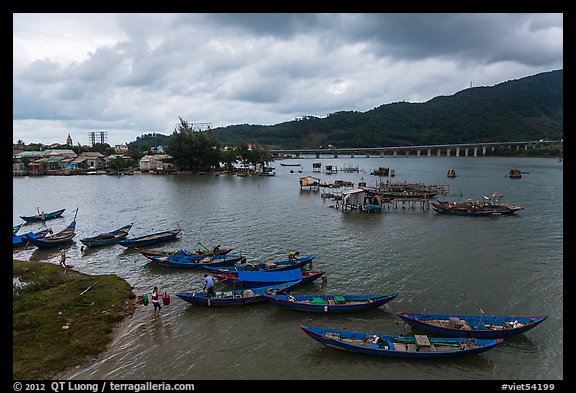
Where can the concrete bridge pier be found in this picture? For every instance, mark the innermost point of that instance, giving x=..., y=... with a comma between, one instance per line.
x=457, y=152
x=429, y=152
x=447, y=152
x=395, y=153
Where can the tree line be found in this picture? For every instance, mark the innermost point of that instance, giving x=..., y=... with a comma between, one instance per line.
x=202, y=151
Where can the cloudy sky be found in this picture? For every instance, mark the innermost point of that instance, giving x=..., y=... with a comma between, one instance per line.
x=130, y=74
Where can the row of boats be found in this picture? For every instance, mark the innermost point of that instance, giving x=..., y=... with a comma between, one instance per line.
x=252, y=282
x=458, y=334
x=441, y=335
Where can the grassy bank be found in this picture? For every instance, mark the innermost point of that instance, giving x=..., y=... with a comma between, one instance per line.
x=62, y=318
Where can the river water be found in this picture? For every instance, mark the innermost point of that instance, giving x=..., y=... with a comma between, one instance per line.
x=506, y=265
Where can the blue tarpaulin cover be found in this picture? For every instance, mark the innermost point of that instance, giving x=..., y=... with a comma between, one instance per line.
x=269, y=276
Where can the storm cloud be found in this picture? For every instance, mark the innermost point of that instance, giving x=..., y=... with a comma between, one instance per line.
x=130, y=74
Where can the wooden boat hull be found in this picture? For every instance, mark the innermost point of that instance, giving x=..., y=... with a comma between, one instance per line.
x=47, y=216
x=233, y=278
x=147, y=251
x=52, y=241
x=64, y=237
x=330, y=303
x=147, y=240
x=274, y=266
x=398, y=346
x=457, y=325
x=107, y=238
x=195, y=261
x=237, y=297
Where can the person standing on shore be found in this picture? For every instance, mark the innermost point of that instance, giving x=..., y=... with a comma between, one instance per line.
x=63, y=258
x=156, y=301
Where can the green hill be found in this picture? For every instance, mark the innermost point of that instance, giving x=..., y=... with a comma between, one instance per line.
x=529, y=108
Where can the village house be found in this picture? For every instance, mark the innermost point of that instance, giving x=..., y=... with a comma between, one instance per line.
x=91, y=160
x=156, y=163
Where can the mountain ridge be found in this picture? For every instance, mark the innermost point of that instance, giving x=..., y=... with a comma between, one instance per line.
x=528, y=108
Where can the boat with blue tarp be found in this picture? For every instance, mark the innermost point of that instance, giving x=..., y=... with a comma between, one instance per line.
x=250, y=278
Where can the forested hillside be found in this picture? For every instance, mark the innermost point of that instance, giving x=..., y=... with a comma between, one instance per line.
x=529, y=108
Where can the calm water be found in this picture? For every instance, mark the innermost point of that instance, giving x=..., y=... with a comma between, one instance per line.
x=506, y=265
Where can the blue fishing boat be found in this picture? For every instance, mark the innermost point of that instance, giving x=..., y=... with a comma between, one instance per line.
x=182, y=251
x=16, y=228
x=236, y=297
x=107, y=237
x=43, y=216
x=251, y=279
x=417, y=347
x=55, y=240
x=478, y=326
x=196, y=261
x=266, y=266
x=330, y=303
x=22, y=240
x=152, y=238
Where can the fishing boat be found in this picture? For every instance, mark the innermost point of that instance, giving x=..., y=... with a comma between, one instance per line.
x=476, y=326
x=417, y=347
x=22, y=240
x=152, y=238
x=285, y=164
x=196, y=261
x=236, y=297
x=251, y=279
x=182, y=251
x=57, y=239
x=107, y=237
x=43, y=216
x=330, y=303
x=266, y=266
x=489, y=206
x=16, y=228
x=462, y=209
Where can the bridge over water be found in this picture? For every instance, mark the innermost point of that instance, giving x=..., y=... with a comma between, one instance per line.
x=449, y=150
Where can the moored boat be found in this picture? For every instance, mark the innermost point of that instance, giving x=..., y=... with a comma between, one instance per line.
x=182, y=251
x=418, y=347
x=266, y=266
x=196, y=261
x=477, y=326
x=22, y=240
x=152, y=238
x=43, y=216
x=330, y=303
x=61, y=238
x=251, y=279
x=236, y=297
x=108, y=237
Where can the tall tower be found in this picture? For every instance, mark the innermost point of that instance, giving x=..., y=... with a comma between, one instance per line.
x=69, y=140
x=101, y=135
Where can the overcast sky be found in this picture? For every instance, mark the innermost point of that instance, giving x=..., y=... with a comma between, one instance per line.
x=130, y=74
